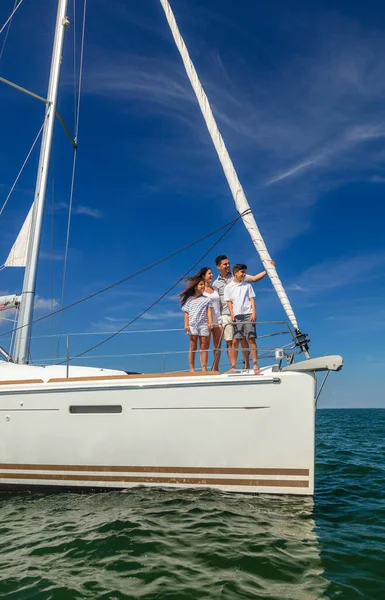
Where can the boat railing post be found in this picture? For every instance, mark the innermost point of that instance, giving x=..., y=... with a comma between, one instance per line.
x=67, y=355
x=217, y=350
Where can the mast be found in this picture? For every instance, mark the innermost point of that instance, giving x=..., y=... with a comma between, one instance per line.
x=23, y=332
x=240, y=199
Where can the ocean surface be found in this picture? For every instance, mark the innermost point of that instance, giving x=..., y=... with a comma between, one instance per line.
x=163, y=545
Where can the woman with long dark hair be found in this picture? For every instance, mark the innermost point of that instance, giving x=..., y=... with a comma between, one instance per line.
x=198, y=319
x=216, y=332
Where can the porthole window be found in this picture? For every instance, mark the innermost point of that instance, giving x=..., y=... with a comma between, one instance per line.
x=96, y=409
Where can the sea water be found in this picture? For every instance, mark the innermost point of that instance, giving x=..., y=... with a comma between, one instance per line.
x=163, y=545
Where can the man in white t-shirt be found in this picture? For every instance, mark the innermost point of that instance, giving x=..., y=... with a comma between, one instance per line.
x=239, y=296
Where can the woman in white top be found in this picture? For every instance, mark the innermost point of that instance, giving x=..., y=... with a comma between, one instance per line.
x=207, y=276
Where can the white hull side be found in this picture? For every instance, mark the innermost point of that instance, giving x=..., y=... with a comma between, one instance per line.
x=234, y=433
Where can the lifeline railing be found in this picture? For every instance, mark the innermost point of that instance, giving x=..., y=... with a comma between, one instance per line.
x=289, y=347
x=134, y=361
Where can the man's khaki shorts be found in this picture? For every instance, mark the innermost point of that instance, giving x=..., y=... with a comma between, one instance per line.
x=227, y=331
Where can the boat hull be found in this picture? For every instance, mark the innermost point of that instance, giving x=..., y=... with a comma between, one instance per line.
x=238, y=433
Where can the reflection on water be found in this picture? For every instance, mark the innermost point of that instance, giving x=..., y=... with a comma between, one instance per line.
x=159, y=544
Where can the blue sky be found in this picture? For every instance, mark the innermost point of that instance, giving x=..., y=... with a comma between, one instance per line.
x=298, y=92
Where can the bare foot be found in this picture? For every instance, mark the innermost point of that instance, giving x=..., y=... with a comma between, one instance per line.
x=257, y=371
x=232, y=370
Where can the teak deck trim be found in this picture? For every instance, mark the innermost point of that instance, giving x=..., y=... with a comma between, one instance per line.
x=124, y=377
x=107, y=378
x=21, y=381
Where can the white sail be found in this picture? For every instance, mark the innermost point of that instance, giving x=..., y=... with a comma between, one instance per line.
x=18, y=254
x=240, y=199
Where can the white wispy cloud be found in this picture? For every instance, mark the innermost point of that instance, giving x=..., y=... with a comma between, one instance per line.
x=50, y=256
x=310, y=162
x=161, y=316
x=349, y=139
x=341, y=272
x=314, y=118
x=359, y=315
x=89, y=211
x=81, y=209
x=110, y=324
x=291, y=287
x=45, y=304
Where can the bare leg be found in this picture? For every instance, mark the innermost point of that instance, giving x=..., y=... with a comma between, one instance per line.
x=192, y=352
x=254, y=354
x=227, y=329
x=204, y=341
x=229, y=345
x=234, y=354
x=246, y=355
x=230, y=353
x=217, y=332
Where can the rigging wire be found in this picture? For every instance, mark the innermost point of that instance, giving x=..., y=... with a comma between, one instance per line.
x=76, y=116
x=74, y=52
x=13, y=333
x=10, y=16
x=6, y=33
x=52, y=249
x=22, y=168
x=81, y=67
x=128, y=277
x=110, y=337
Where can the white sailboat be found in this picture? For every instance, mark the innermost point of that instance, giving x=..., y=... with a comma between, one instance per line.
x=69, y=427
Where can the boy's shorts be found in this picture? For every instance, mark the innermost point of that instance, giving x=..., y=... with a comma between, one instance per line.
x=227, y=331
x=244, y=329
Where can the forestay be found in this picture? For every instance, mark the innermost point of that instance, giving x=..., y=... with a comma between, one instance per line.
x=240, y=199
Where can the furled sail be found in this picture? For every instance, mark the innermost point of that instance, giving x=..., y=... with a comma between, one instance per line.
x=240, y=200
x=18, y=254
x=11, y=301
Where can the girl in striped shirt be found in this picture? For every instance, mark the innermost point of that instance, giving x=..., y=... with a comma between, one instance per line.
x=198, y=320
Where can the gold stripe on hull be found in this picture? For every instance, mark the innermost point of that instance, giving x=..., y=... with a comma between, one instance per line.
x=153, y=469
x=105, y=479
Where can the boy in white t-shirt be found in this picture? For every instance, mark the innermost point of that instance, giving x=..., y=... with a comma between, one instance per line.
x=239, y=296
